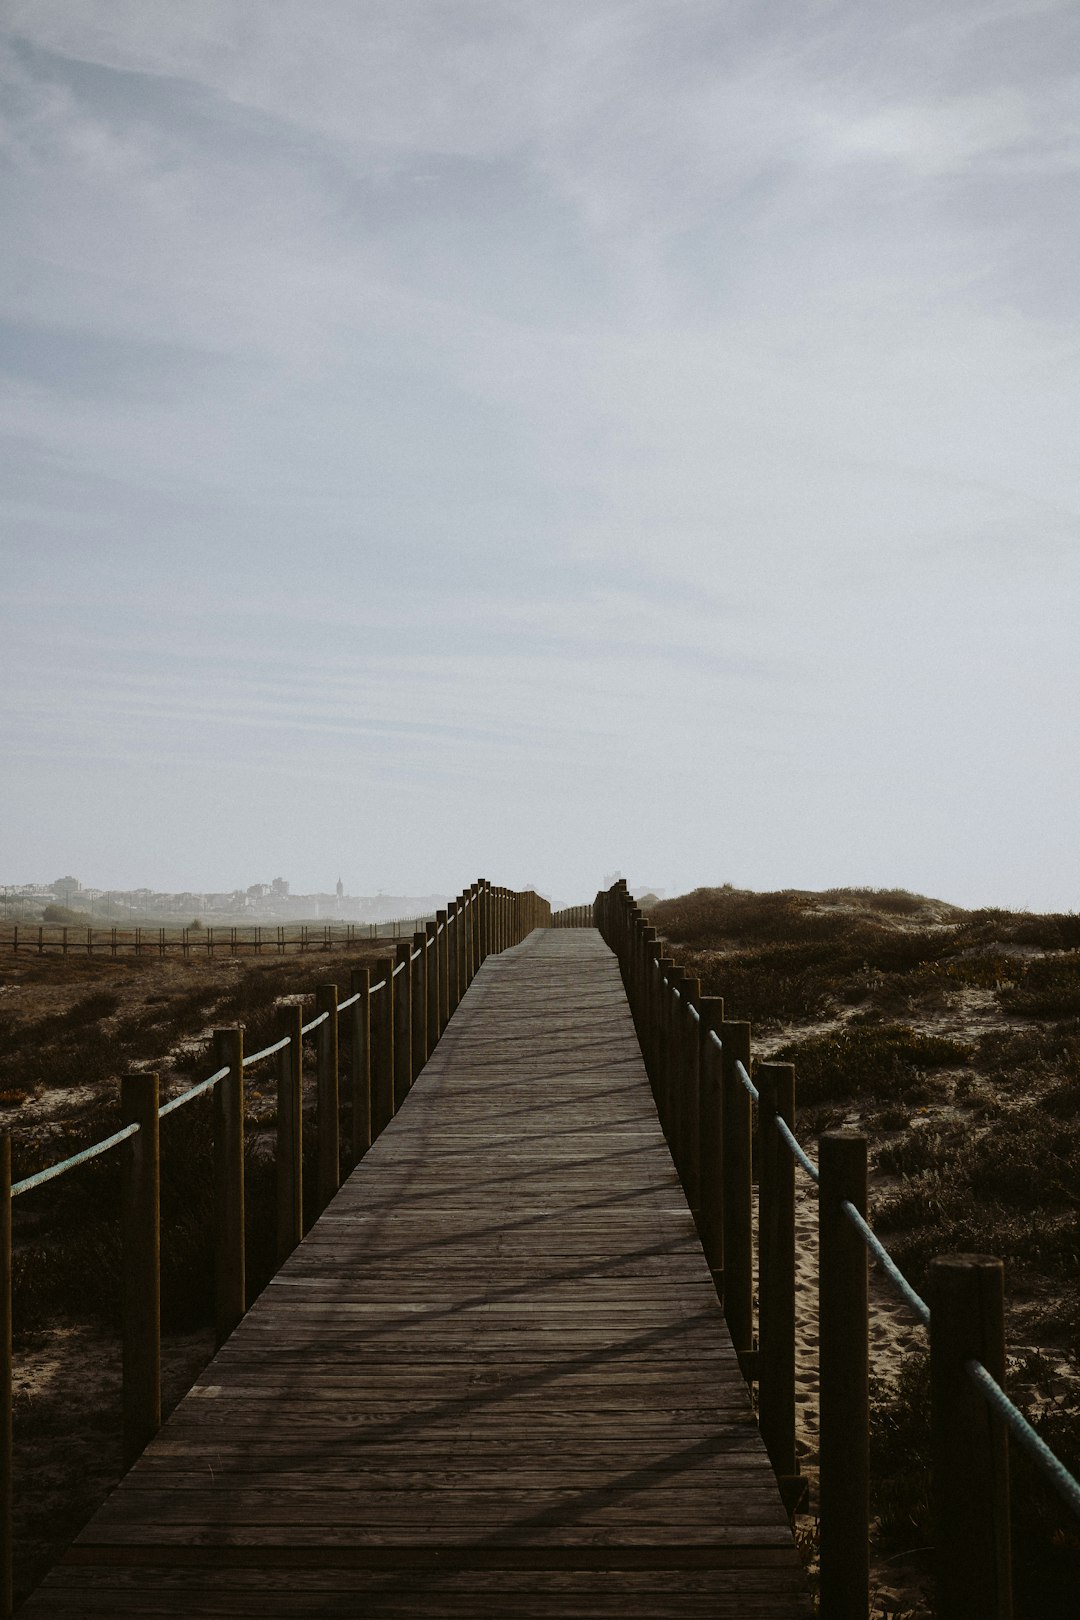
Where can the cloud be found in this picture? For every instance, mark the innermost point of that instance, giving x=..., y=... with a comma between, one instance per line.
x=661, y=394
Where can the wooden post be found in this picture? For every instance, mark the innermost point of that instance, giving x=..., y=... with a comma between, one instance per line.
x=738, y=1191
x=969, y=1442
x=418, y=973
x=7, y=1492
x=382, y=1047
x=290, y=1125
x=675, y=1078
x=230, y=1296
x=431, y=958
x=360, y=1064
x=483, y=889
x=402, y=1024
x=442, y=959
x=327, y=1094
x=690, y=1135
x=711, y=1214
x=452, y=994
x=844, y=1380
x=140, y=1202
x=464, y=943
x=663, y=1028
x=472, y=933
x=776, y=1266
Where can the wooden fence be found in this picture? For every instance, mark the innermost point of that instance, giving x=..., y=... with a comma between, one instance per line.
x=699, y=1064
x=249, y=939
x=573, y=917
x=391, y=1027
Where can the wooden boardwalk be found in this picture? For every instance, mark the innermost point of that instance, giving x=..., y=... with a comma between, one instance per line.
x=492, y=1381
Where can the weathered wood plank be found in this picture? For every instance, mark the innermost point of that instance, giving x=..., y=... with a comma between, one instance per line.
x=494, y=1377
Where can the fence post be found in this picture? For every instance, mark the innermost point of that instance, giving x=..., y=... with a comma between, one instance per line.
x=453, y=993
x=663, y=1031
x=382, y=1047
x=711, y=1215
x=689, y=1116
x=402, y=1023
x=290, y=1124
x=360, y=1064
x=442, y=960
x=673, y=1068
x=434, y=997
x=327, y=1094
x=844, y=1380
x=7, y=1492
x=969, y=1443
x=418, y=989
x=736, y=1130
x=230, y=1296
x=140, y=1202
x=776, y=1267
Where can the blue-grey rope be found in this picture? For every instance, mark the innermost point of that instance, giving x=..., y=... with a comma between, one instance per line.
x=267, y=1051
x=886, y=1262
x=54, y=1170
x=193, y=1091
x=794, y=1147
x=1036, y=1447
x=745, y=1079
x=306, y=1029
x=349, y=1002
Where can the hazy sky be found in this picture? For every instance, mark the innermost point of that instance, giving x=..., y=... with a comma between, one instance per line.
x=445, y=437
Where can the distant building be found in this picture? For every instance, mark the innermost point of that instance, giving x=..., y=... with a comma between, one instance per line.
x=279, y=888
x=340, y=889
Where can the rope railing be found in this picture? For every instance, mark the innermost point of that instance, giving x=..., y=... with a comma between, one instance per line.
x=40, y=1177
x=192, y=1092
x=388, y=1039
x=708, y=1094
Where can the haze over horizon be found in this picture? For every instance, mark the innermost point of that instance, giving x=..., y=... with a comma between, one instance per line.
x=539, y=441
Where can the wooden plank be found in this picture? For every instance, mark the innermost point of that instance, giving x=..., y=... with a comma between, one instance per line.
x=492, y=1379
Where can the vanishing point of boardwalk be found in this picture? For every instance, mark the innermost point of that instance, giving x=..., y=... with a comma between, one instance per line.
x=493, y=1380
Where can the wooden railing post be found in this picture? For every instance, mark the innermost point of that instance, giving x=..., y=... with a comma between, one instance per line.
x=403, y=1074
x=738, y=1189
x=7, y=1454
x=140, y=1204
x=382, y=1047
x=689, y=1113
x=475, y=957
x=969, y=1443
x=663, y=1037
x=289, y=1167
x=844, y=1380
x=418, y=973
x=710, y=1128
x=442, y=959
x=328, y=1094
x=453, y=929
x=360, y=1063
x=673, y=1069
x=230, y=1294
x=431, y=960
x=776, y=1267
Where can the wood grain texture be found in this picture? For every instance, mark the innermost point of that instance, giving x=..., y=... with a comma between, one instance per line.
x=493, y=1379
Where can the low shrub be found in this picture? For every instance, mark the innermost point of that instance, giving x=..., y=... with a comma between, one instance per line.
x=1049, y=987
x=886, y=1063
